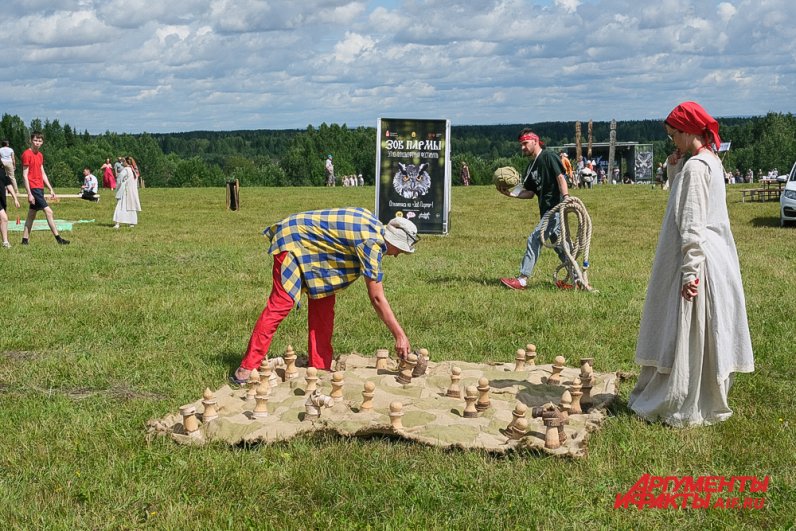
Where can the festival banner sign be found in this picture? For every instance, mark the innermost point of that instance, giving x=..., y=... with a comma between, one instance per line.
x=413, y=172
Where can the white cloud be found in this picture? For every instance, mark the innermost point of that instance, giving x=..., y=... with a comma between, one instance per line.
x=352, y=47
x=726, y=11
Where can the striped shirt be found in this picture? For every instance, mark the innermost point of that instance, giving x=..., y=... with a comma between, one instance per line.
x=327, y=250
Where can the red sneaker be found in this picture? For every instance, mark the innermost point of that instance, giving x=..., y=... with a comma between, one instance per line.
x=560, y=284
x=512, y=283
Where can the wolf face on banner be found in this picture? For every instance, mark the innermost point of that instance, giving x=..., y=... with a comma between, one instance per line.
x=412, y=181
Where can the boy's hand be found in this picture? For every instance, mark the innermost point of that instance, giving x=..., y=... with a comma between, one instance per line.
x=30, y=199
x=52, y=195
x=16, y=202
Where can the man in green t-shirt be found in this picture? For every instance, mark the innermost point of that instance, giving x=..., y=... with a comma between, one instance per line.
x=546, y=179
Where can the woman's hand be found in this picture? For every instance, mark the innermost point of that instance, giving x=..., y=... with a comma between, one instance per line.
x=690, y=290
x=674, y=158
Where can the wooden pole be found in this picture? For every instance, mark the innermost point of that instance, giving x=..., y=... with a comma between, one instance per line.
x=588, y=149
x=612, y=150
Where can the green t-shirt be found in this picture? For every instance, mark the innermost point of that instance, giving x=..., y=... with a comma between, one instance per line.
x=540, y=178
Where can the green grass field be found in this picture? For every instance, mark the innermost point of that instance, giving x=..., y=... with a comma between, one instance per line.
x=124, y=326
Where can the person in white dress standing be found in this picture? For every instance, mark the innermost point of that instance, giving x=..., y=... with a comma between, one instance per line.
x=128, y=204
x=694, y=331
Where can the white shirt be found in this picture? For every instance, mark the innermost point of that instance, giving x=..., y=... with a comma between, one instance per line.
x=6, y=154
x=90, y=183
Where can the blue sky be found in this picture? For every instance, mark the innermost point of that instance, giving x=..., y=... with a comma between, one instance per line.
x=149, y=65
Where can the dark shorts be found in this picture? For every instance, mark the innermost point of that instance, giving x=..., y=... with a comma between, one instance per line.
x=3, y=205
x=39, y=203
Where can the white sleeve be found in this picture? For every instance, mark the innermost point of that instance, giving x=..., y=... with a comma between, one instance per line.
x=690, y=216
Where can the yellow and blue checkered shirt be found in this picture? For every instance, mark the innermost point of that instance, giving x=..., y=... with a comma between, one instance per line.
x=327, y=250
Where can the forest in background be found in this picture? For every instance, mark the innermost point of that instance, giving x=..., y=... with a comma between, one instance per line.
x=296, y=157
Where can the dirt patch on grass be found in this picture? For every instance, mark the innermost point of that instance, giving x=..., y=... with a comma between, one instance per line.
x=20, y=355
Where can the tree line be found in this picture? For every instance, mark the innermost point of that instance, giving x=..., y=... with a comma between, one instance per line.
x=296, y=157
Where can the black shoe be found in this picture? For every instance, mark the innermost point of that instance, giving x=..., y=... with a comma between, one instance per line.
x=61, y=241
x=24, y=241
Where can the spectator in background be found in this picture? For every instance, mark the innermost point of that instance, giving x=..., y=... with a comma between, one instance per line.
x=329, y=168
x=35, y=179
x=9, y=163
x=465, y=174
x=128, y=205
x=108, y=177
x=118, y=166
x=361, y=180
x=567, y=167
x=5, y=185
x=89, y=189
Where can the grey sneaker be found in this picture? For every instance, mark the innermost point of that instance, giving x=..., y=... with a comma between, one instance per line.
x=6, y=245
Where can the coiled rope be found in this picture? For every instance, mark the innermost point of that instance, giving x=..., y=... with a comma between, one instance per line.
x=574, y=249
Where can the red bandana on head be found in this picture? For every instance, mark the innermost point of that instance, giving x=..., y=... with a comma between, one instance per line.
x=691, y=118
x=530, y=136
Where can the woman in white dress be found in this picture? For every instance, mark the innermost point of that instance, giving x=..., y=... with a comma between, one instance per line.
x=127, y=203
x=694, y=332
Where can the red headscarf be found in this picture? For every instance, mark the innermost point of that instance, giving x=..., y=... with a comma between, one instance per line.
x=689, y=117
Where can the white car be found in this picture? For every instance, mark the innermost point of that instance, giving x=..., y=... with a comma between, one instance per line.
x=787, y=200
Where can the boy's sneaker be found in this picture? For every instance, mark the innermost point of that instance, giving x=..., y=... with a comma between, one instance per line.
x=513, y=283
x=61, y=241
x=6, y=245
x=24, y=241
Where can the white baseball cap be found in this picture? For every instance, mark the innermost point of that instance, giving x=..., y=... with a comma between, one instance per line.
x=401, y=233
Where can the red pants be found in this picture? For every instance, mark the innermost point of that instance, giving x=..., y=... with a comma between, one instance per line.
x=320, y=320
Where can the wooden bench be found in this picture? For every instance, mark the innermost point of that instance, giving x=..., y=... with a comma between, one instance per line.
x=760, y=194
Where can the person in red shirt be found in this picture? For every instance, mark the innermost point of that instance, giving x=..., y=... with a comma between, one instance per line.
x=35, y=178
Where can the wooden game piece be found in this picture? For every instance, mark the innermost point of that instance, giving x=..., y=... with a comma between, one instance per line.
x=367, y=396
x=290, y=363
x=405, y=376
x=252, y=383
x=314, y=403
x=575, y=391
x=519, y=413
x=552, y=439
x=211, y=405
x=382, y=355
x=530, y=354
x=518, y=429
x=586, y=400
x=586, y=369
x=189, y=420
x=558, y=366
x=483, y=402
x=587, y=379
x=337, y=386
x=519, y=360
x=273, y=378
x=396, y=412
x=261, y=408
x=312, y=380
x=422, y=363
x=550, y=411
x=454, y=391
x=470, y=396
x=566, y=403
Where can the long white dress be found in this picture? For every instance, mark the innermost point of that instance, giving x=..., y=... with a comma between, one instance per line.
x=689, y=350
x=128, y=204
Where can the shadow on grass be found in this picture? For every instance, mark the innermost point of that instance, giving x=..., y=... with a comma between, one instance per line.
x=230, y=359
x=460, y=279
x=765, y=221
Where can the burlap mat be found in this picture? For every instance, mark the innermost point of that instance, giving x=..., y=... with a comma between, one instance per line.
x=429, y=417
